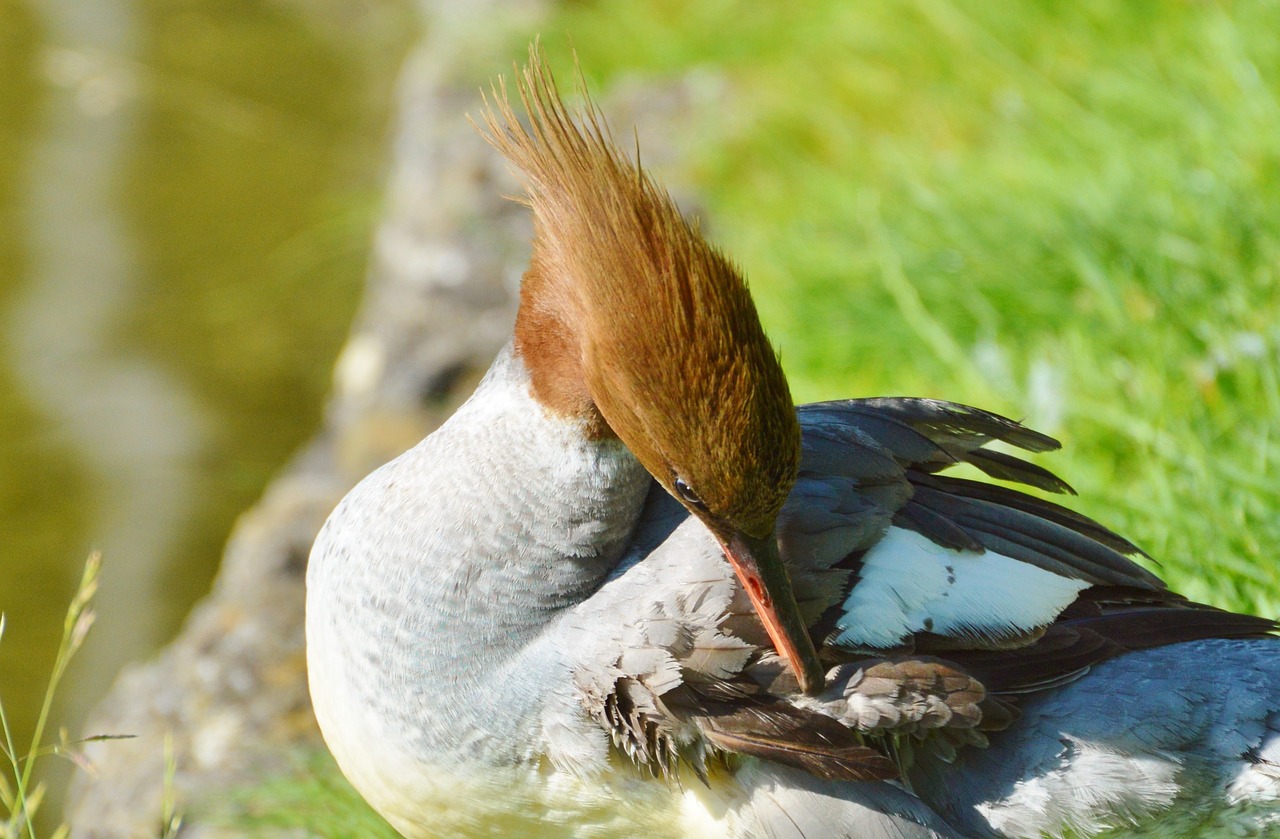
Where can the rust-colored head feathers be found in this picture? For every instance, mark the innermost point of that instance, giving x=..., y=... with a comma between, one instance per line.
x=630, y=321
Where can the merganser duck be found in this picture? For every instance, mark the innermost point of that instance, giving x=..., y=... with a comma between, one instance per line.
x=587, y=604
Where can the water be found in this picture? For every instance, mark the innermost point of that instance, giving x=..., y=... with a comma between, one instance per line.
x=186, y=194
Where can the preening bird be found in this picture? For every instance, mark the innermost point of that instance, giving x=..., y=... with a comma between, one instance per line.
x=630, y=588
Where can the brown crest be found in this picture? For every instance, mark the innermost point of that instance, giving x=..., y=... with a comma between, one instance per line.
x=631, y=322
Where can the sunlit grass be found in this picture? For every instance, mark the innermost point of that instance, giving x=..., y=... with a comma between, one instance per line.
x=312, y=800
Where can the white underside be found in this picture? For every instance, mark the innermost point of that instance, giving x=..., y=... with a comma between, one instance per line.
x=543, y=803
x=911, y=584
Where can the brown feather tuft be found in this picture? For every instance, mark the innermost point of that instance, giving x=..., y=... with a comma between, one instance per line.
x=631, y=322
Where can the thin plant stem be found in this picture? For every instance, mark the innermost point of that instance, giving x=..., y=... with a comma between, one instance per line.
x=75, y=627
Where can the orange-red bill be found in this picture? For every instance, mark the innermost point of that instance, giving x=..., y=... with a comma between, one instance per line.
x=760, y=568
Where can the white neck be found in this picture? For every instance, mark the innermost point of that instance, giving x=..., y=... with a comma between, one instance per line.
x=445, y=563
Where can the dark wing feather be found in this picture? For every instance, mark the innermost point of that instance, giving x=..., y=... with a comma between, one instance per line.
x=1037, y=507
x=1038, y=541
x=863, y=439
x=891, y=434
x=1006, y=467
x=1109, y=624
x=770, y=728
x=957, y=428
x=1144, y=627
x=942, y=530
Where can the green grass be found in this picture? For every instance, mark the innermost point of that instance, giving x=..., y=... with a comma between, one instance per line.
x=22, y=789
x=311, y=800
x=1066, y=212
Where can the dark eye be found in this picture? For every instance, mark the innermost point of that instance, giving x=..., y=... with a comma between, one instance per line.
x=687, y=495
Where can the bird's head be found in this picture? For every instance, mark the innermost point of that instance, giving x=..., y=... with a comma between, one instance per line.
x=631, y=323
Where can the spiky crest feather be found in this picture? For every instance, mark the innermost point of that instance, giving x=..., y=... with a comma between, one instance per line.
x=620, y=285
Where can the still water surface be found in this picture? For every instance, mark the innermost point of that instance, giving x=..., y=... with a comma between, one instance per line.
x=186, y=193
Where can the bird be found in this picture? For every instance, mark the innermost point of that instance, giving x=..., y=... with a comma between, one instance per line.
x=631, y=587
